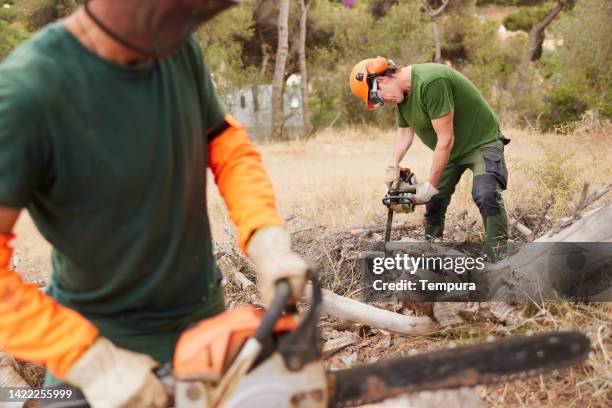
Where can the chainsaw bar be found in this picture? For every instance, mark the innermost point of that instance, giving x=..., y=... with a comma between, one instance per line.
x=484, y=363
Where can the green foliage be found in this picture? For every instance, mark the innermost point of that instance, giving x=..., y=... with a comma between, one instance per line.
x=565, y=105
x=10, y=37
x=402, y=34
x=476, y=50
x=564, y=83
x=380, y=8
x=223, y=40
x=39, y=13
x=524, y=18
x=8, y=15
x=580, y=78
x=12, y=32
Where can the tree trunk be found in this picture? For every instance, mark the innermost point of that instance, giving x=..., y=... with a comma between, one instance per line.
x=436, y=38
x=536, y=36
x=304, y=4
x=354, y=311
x=527, y=269
x=279, y=68
x=433, y=14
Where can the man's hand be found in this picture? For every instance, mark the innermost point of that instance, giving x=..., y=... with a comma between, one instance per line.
x=392, y=175
x=424, y=192
x=270, y=250
x=111, y=377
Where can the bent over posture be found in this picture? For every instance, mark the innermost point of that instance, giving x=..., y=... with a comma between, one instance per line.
x=451, y=117
x=108, y=121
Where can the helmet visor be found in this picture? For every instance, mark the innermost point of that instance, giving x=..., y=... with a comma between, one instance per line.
x=375, y=99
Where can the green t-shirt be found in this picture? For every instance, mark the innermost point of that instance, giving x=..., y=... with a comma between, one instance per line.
x=111, y=163
x=437, y=89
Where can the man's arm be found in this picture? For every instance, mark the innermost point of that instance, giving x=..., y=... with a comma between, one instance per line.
x=446, y=137
x=246, y=188
x=403, y=141
x=32, y=325
x=242, y=180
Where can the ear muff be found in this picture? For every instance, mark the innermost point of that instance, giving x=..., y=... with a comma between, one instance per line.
x=377, y=66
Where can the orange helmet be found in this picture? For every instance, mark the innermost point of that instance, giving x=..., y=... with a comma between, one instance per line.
x=362, y=81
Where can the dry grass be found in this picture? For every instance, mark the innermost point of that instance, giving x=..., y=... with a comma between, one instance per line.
x=586, y=385
x=335, y=181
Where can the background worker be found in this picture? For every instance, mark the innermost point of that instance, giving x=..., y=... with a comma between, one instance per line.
x=451, y=117
x=108, y=121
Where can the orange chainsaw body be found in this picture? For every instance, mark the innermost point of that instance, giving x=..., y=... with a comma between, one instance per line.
x=207, y=349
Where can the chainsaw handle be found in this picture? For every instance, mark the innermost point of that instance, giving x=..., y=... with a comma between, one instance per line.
x=409, y=189
x=281, y=297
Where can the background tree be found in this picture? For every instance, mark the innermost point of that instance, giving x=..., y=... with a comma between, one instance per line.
x=279, y=68
x=304, y=5
x=536, y=38
x=578, y=73
x=565, y=79
x=434, y=8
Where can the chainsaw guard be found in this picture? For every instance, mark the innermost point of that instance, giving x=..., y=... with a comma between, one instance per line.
x=208, y=348
x=270, y=384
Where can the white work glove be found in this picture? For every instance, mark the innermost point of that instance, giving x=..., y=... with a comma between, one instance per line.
x=392, y=175
x=424, y=192
x=270, y=250
x=112, y=377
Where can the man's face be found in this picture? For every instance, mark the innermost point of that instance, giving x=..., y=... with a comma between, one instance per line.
x=390, y=89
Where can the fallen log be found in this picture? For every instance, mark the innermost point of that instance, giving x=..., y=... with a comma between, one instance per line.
x=528, y=275
x=522, y=229
x=230, y=270
x=334, y=345
x=358, y=312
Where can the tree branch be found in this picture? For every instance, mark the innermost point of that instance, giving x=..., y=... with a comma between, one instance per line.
x=439, y=10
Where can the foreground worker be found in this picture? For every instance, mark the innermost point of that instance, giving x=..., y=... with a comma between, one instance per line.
x=451, y=117
x=108, y=120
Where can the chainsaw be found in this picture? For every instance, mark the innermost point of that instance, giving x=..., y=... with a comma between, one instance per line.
x=246, y=357
x=400, y=198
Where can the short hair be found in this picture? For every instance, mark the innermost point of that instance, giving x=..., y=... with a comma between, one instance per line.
x=392, y=70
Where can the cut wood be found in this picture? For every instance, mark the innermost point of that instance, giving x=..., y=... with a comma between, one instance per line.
x=334, y=345
x=243, y=281
x=522, y=229
x=229, y=270
x=358, y=312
